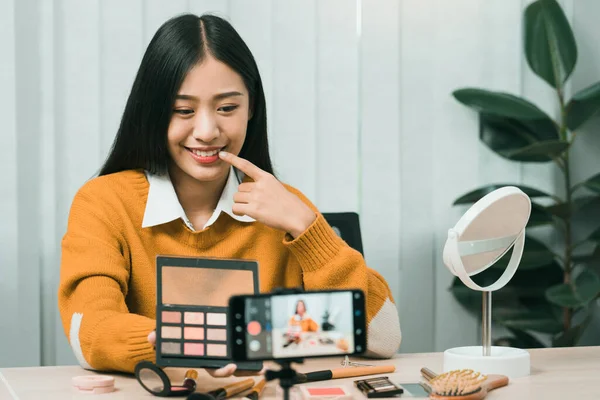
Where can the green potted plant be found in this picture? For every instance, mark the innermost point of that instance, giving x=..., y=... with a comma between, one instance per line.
x=552, y=288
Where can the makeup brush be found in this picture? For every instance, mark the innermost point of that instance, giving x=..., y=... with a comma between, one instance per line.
x=224, y=392
x=338, y=373
x=464, y=384
x=256, y=390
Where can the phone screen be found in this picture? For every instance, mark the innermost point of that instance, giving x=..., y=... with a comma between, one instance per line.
x=303, y=325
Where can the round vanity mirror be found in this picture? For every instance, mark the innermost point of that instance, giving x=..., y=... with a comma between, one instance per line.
x=488, y=230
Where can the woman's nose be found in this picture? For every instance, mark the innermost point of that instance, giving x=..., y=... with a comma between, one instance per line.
x=205, y=128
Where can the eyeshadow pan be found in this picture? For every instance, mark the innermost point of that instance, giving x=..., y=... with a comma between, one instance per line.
x=193, y=349
x=171, y=332
x=216, y=334
x=194, y=318
x=218, y=350
x=171, y=348
x=216, y=319
x=193, y=333
x=171, y=317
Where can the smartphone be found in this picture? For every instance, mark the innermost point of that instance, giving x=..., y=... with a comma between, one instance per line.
x=289, y=326
x=414, y=390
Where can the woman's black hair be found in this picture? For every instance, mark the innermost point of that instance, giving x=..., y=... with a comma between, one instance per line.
x=179, y=44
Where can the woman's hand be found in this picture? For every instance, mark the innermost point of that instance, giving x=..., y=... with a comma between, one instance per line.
x=267, y=200
x=226, y=371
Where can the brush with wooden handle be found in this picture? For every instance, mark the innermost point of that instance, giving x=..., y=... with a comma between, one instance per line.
x=462, y=384
x=339, y=373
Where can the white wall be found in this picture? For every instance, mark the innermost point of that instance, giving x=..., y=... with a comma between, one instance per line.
x=361, y=87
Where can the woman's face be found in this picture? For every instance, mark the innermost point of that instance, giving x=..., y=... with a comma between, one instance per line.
x=300, y=308
x=211, y=113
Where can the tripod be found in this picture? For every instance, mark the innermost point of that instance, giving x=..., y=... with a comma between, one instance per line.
x=287, y=376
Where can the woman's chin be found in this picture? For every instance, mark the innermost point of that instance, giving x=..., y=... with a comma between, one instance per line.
x=203, y=174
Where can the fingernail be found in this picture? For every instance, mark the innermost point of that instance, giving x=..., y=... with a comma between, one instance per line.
x=223, y=153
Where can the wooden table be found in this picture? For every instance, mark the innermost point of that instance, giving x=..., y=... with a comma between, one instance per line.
x=567, y=373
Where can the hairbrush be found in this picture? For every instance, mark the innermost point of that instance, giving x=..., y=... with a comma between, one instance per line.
x=464, y=384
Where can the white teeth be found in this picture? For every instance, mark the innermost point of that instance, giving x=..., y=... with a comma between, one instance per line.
x=205, y=153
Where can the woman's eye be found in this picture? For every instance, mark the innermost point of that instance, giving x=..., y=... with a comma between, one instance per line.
x=183, y=112
x=227, y=109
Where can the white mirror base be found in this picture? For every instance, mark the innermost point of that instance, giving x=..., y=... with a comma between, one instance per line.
x=509, y=361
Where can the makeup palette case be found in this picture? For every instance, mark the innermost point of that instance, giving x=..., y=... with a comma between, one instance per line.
x=192, y=309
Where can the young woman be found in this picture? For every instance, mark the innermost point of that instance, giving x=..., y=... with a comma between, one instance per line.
x=302, y=320
x=189, y=174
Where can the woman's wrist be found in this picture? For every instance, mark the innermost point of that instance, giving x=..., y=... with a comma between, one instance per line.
x=302, y=222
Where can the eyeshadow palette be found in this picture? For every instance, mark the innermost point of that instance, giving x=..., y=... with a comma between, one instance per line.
x=191, y=309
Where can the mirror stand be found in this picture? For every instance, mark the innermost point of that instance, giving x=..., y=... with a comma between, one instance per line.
x=486, y=323
x=491, y=228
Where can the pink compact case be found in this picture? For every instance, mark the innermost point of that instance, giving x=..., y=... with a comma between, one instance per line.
x=94, y=384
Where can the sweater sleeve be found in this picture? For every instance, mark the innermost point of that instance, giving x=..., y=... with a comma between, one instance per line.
x=327, y=261
x=94, y=277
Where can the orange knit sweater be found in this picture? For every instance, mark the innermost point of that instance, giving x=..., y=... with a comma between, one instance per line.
x=107, y=291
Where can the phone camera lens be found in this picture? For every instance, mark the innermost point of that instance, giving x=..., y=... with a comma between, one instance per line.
x=357, y=313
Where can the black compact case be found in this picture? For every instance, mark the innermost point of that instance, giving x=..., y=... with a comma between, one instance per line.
x=378, y=387
x=192, y=310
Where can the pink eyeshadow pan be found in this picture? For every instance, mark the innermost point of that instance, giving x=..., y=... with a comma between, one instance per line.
x=194, y=318
x=193, y=349
x=171, y=317
x=216, y=334
x=219, y=350
x=193, y=333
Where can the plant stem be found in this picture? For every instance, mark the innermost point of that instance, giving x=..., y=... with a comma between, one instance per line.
x=568, y=247
x=567, y=312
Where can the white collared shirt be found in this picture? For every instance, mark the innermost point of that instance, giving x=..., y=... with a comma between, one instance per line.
x=163, y=205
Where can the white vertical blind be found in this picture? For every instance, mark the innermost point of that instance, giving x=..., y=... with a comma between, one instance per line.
x=361, y=118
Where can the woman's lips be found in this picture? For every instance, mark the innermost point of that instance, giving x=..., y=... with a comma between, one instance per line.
x=204, y=156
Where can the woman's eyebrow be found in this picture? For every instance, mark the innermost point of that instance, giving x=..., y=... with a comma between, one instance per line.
x=219, y=96
x=225, y=95
x=186, y=97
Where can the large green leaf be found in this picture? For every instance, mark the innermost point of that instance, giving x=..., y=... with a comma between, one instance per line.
x=594, y=236
x=528, y=320
x=570, y=337
x=588, y=258
x=504, y=133
x=539, y=216
x=583, y=106
x=593, y=183
x=564, y=211
x=521, y=304
x=578, y=294
x=550, y=46
x=499, y=104
x=528, y=285
x=536, y=152
x=477, y=194
x=526, y=340
x=535, y=255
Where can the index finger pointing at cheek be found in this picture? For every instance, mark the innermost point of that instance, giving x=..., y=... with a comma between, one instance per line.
x=243, y=165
